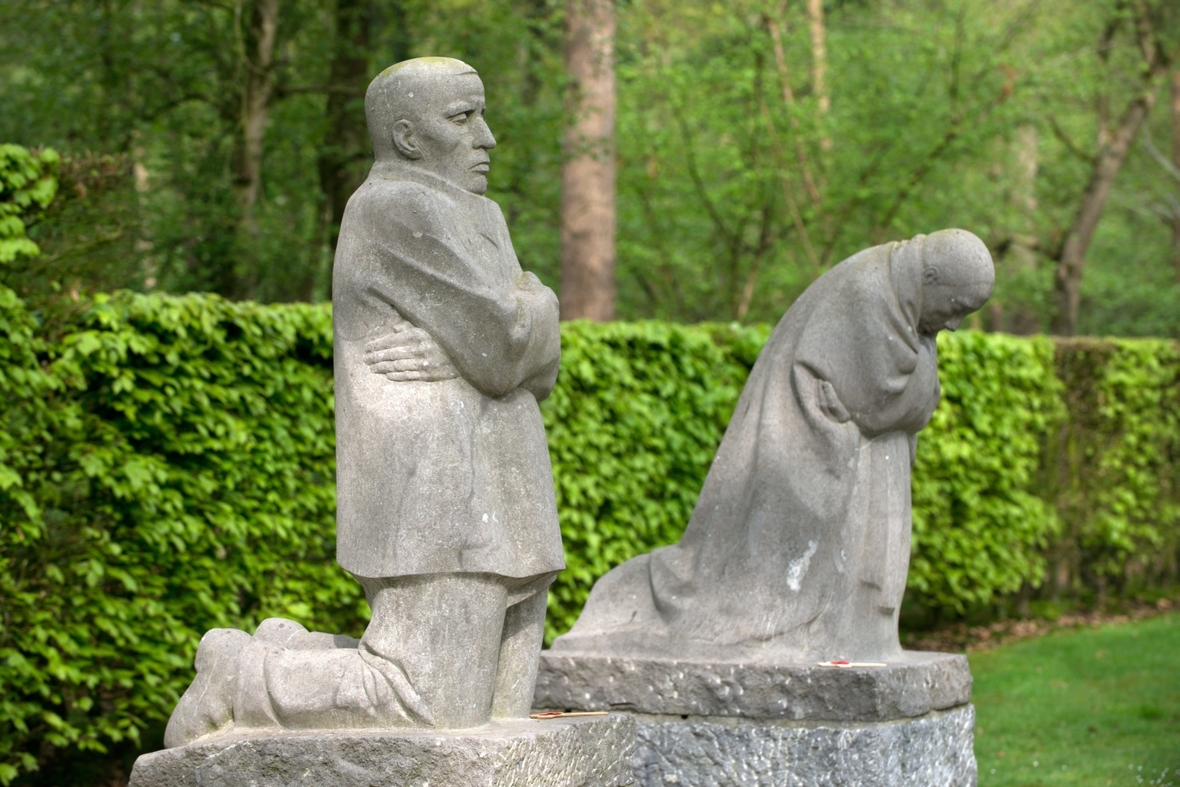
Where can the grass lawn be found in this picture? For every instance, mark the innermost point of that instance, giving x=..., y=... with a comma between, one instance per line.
x=1091, y=707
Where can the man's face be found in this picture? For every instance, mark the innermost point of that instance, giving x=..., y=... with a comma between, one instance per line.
x=452, y=135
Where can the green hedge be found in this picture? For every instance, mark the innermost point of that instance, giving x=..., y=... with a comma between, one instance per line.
x=28, y=184
x=1115, y=467
x=166, y=466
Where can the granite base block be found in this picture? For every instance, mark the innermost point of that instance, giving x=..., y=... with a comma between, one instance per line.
x=573, y=752
x=751, y=724
x=912, y=685
x=933, y=750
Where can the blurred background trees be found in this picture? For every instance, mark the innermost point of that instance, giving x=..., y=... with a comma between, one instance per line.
x=212, y=144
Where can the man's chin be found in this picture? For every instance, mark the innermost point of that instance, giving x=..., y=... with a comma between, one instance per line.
x=477, y=184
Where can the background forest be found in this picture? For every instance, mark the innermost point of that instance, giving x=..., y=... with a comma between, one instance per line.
x=210, y=145
x=166, y=462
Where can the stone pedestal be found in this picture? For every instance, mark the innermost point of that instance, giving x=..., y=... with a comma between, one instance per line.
x=705, y=723
x=594, y=751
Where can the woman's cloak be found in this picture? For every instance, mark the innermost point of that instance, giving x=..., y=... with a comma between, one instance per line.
x=799, y=542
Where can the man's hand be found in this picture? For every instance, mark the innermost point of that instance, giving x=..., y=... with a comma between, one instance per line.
x=409, y=353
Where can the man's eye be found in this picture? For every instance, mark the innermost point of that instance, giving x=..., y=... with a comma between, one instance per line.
x=461, y=118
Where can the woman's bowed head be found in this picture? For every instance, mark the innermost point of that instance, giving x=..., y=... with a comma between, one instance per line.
x=957, y=278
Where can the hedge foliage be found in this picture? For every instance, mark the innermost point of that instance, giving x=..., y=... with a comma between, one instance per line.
x=167, y=465
x=1116, y=465
x=980, y=526
x=28, y=184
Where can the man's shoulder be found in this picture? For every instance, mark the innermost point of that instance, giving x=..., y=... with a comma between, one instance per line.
x=402, y=195
x=403, y=202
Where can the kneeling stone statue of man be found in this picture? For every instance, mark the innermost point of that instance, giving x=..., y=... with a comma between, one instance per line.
x=446, y=510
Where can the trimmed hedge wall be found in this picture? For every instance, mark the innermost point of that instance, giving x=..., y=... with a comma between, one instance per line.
x=166, y=466
x=1114, y=469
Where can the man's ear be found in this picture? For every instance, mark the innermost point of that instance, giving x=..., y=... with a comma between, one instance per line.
x=403, y=140
x=930, y=274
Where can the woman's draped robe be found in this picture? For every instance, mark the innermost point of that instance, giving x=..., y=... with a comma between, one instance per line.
x=799, y=543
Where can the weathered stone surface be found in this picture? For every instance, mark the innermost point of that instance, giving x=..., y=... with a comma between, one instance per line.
x=443, y=347
x=934, y=750
x=574, y=752
x=912, y=685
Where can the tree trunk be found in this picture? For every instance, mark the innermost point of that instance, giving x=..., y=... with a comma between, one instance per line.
x=1176, y=165
x=346, y=142
x=819, y=66
x=1071, y=260
x=257, y=87
x=1024, y=196
x=1018, y=315
x=1114, y=144
x=256, y=93
x=588, y=174
x=780, y=62
x=345, y=151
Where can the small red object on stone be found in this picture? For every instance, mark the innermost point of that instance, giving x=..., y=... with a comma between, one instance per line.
x=556, y=714
x=846, y=664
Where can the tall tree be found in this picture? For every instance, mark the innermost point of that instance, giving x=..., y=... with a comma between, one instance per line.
x=1175, y=85
x=345, y=140
x=819, y=63
x=1146, y=20
x=345, y=149
x=257, y=87
x=588, y=171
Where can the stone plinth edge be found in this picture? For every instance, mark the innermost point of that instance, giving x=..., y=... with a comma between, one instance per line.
x=934, y=750
x=913, y=685
x=572, y=752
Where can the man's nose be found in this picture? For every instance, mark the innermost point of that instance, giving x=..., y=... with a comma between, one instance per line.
x=953, y=323
x=483, y=135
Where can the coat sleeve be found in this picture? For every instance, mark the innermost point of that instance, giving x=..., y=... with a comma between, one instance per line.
x=500, y=338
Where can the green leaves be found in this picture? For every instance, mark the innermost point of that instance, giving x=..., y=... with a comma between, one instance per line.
x=177, y=458
x=979, y=525
x=1117, y=463
x=27, y=184
x=167, y=466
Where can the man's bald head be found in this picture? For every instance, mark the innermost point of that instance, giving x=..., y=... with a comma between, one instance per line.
x=428, y=113
x=405, y=91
